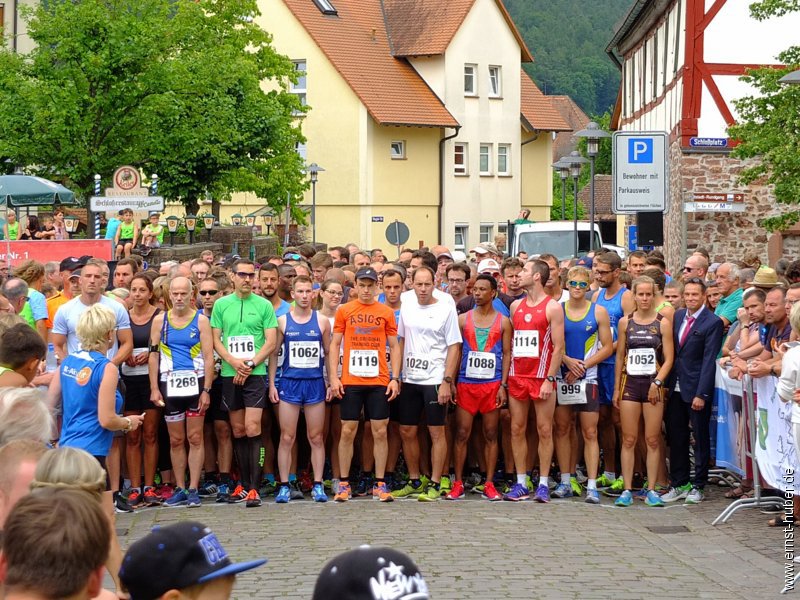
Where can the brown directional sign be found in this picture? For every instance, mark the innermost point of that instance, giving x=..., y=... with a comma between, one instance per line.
x=718, y=197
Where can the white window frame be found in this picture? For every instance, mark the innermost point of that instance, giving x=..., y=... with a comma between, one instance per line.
x=495, y=81
x=461, y=230
x=397, y=149
x=507, y=152
x=486, y=235
x=325, y=7
x=485, y=159
x=473, y=74
x=302, y=150
x=300, y=89
x=462, y=169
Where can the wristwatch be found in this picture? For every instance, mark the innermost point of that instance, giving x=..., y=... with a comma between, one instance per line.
x=250, y=364
x=207, y=390
x=505, y=385
x=551, y=379
x=658, y=383
x=448, y=379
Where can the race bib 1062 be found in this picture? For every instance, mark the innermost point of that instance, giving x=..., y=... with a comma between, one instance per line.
x=304, y=355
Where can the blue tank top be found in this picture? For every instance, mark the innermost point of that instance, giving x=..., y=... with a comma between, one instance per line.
x=81, y=374
x=581, y=340
x=614, y=307
x=302, y=349
x=180, y=347
x=478, y=362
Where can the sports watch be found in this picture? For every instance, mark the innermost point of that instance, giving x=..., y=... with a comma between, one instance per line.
x=551, y=379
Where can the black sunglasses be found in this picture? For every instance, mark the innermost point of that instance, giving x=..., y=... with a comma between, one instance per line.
x=208, y=292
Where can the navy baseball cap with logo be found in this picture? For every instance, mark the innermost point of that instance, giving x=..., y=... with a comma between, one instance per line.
x=367, y=273
x=176, y=557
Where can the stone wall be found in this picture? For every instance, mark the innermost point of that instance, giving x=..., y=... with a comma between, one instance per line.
x=180, y=252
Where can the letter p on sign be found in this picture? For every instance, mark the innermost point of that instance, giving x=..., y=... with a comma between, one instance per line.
x=640, y=150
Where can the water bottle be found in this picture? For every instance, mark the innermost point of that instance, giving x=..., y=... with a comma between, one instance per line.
x=51, y=363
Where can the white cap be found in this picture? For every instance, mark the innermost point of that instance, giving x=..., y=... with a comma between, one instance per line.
x=488, y=264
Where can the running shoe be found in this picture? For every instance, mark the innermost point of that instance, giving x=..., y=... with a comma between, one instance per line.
x=305, y=482
x=363, y=487
x=318, y=493
x=252, y=500
x=150, y=497
x=563, y=490
x=577, y=488
x=529, y=482
x=192, y=497
x=295, y=490
x=284, y=495
x=344, y=494
x=641, y=494
x=618, y=485
x=676, y=493
x=178, y=498
x=490, y=492
x=238, y=495
x=695, y=496
x=457, y=491
x=653, y=499
x=135, y=498
x=580, y=475
x=120, y=504
x=207, y=489
x=625, y=499
x=472, y=481
x=542, y=494
x=223, y=493
x=432, y=494
x=409, y=491
x=381, y=493
x=517, y=493
x=444, y=485
x=334, y=486
x=603, y=481
x=165, y=492
x=267, y=488
x=592, y=496
x=479, y=489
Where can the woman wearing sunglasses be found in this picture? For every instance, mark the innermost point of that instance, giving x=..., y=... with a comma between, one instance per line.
x=588, y=342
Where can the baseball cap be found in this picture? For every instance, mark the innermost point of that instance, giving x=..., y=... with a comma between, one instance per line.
x=71, y=262
x=367, y=273
x=485, y=248
x=584, y=261
x=367, y=573
x=459, y=256
x=176, y=557
x=75, y=273
x=488, y=264
x=445, y=254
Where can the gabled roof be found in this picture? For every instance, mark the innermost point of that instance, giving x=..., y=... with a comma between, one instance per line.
x=602, y=197
x=356, y=43
x=538, y=110
x=575, y=118
x=426, y=27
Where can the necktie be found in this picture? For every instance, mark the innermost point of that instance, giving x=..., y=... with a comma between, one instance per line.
x=689, y=323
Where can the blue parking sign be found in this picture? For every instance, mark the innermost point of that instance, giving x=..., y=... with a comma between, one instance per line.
x=640, y=150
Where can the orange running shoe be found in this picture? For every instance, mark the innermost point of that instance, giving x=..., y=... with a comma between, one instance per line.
x=344, y=494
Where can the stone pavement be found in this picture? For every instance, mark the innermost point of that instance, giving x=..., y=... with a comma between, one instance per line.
x=476, y=549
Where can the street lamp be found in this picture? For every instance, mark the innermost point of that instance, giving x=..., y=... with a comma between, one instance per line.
x=563, y=171
x=191, y=224
x=593, y=135
x=154, y=184
x=172, y=227
x=208, y=224
x=236, y=219
x=575, y=162
x=314, y=170
x=71, y=223
x=267, y=222
x=792, y=78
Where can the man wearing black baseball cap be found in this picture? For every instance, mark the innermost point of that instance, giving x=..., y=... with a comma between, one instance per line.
x=179, y=561
x=68, y=267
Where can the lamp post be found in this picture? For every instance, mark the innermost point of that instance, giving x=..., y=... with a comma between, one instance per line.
x=172, y=227
x=236, y=219
x=267, y=222
x=154, y=184
x=575, y=161
x=191, y=224
x=792, y=78
x=563, y=171
x=71, y=223
x=314, y=170
x=208, y=224
x=593, y=135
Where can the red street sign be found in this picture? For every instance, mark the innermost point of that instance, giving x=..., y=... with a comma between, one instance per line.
x=44, y=251
x=718, y=197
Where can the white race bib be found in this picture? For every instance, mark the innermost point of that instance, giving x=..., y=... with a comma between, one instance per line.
x=481, y=365
x=281, y=356
x=304, y=355
x=526, y=344
x=242, y=346
x=182, y=384
x=418, y=367
x=138, y=369
x=571, y=393
x=364, y=363
x=641, y=361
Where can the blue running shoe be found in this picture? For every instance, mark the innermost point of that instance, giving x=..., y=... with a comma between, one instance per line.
x=318, y=493
x=223, y=493
x=592, y=496
x=542, y=493
x=192, y=498
x=625, y=499
x=653, y=499
x=178, y=498
x=563, y=490
x=284, y=495
x=518, y=492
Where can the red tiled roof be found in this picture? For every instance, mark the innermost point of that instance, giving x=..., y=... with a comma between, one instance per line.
x=538, y=110
x=602, y=196
x=357, y=45
x=426, y=27
x=577, y=120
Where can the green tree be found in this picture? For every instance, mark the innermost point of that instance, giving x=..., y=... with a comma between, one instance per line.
x=769, y=125
x=170, y=86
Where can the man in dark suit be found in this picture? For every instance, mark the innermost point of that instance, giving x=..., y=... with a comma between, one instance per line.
x=698, y=337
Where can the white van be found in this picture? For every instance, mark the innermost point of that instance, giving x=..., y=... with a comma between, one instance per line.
x=557, y=238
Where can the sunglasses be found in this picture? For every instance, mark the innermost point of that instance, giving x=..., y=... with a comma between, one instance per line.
x=582, y=285
x=599, y=272
x=208, y=292
x=245, y=275
x=291, y=257
x=688, y=269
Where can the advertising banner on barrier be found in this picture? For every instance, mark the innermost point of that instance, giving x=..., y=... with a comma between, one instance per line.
x=775, y=450
x=43, y=251
x=730, y=432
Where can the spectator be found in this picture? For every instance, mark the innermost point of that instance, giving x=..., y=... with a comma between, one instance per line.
x=52, y=273
x=33, y=230
x=522, y=218
x=35, y=311
x=21, y=353
x=12, y=230
x=696, y=265
x=765, y=278
x=673, y=293
x=24, y=415
x=781, y=266
x=17, y=465
x=713, y=294
x=637, y=261
x=727, y=278
x=778, y=332
x=339, y=253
